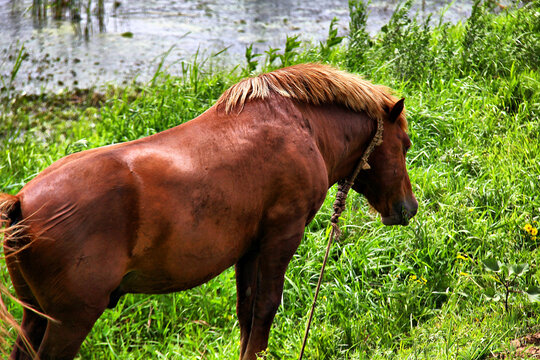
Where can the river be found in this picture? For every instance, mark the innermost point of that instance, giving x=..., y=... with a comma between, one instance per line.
x=133, y=36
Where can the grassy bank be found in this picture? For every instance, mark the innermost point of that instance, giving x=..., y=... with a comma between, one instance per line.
x=421, y=292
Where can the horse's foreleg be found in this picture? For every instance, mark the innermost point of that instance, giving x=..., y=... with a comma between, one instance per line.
x=246, y=289
x=274, y=258
x=33, y=327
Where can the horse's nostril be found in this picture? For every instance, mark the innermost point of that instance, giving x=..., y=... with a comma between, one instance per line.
x=408, y=211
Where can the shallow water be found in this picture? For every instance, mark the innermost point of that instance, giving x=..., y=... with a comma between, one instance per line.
x=135, y=34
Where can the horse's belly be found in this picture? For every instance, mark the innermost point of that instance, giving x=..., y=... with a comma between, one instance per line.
x=185, y=257
x=154, y=281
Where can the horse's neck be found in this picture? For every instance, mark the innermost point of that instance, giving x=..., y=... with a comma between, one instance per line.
x=341, y=136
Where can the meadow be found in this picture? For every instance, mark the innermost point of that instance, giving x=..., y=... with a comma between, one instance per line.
x=460, y=282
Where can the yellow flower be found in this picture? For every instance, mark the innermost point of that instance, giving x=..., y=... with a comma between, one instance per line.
x=464, y=274
x=423, y=279
x=534, y=231
x=534, y=238
x=413, y=277
x=459, y=256
x=470, y=209
x=527, y=228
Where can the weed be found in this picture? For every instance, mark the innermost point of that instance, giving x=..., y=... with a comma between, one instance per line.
x=332, y=40
x=290, y=52
x=251, y=63
x=359, y=39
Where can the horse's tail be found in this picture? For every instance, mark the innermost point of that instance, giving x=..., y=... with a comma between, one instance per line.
x=10, y=211
x=10, y=230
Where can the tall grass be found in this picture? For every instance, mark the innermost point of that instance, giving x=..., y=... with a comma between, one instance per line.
x=419, y=292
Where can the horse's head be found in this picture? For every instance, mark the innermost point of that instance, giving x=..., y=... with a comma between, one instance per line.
x=386, y=185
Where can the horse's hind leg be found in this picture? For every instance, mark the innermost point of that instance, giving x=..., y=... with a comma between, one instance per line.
x=33, y=327
x=274, y=257
x=64, y=337
x=246, y=288
x=75, y=314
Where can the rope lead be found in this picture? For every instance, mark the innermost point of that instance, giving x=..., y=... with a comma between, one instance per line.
x=339, y=207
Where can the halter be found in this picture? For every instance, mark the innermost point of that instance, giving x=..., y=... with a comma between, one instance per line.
x=339, y=206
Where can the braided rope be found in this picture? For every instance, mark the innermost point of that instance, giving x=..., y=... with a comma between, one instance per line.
x=345, y=186
x=339, y=207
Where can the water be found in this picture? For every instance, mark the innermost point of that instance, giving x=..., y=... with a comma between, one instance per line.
x=133, y=36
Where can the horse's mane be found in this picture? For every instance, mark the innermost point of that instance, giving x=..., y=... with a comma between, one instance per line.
x=314, y=84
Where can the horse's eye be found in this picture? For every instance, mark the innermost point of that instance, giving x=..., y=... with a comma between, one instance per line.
x=405, y=149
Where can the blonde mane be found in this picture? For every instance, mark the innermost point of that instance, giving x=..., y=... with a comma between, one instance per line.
x=315, y=84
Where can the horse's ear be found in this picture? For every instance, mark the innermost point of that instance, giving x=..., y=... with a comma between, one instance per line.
x=397, y=109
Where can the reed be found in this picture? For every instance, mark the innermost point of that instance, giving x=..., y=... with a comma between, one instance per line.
x=68, y=9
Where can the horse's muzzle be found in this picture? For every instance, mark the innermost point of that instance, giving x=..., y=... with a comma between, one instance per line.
x=403, y=212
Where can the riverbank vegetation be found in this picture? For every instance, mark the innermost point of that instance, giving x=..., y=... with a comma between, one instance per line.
x=461, y=281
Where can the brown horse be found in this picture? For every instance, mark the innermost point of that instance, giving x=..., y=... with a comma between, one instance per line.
x=235, y=186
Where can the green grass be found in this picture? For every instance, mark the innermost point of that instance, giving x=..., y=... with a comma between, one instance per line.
x=473, y=99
